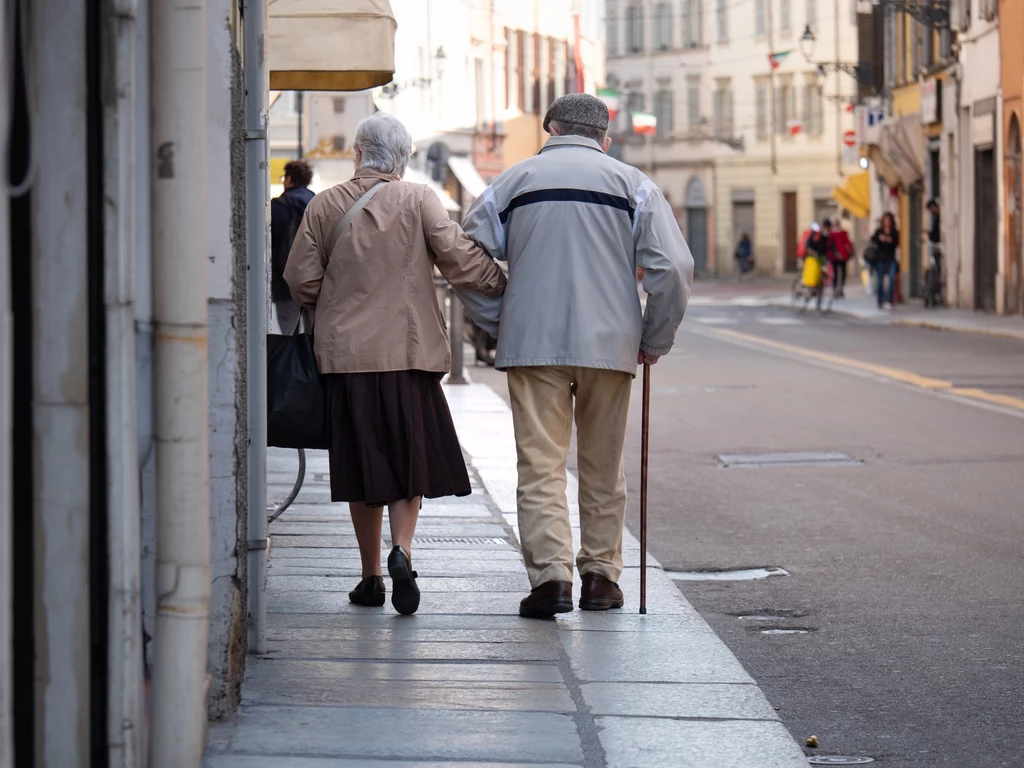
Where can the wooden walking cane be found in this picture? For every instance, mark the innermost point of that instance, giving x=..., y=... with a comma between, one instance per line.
x=645, y=434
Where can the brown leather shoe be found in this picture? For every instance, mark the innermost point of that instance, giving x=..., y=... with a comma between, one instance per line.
x=545, y=601
x=599, y=593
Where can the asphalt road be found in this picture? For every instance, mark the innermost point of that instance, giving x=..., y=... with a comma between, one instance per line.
x=906, y=567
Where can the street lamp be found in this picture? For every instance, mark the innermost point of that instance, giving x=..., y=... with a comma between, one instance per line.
x=807, y=41
x=392, y=89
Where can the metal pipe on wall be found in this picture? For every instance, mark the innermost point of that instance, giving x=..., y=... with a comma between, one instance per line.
x=257, y=311
x=181, y=383
x=6, y=385
x=124, y=650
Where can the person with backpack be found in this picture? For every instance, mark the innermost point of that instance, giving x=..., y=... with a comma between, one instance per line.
x=840, y=248
x=285, y=216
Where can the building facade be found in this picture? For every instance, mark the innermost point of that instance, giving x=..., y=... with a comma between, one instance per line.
x=1011, y=24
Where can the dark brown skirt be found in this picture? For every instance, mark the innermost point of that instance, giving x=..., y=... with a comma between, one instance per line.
x=391, y=438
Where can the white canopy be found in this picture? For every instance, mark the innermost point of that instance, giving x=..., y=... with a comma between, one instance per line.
x=416, y=177
x=330, y=45
x=468, y=177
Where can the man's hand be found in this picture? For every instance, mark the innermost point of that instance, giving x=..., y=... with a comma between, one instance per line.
x=642, y=357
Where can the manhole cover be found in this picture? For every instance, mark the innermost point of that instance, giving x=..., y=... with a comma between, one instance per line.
x=479, y=541
x=839, y=760
x=794, y=459
x=742, y=574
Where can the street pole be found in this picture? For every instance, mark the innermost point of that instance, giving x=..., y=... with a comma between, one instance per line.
x=771, y=85
x=256, y=311
x=458, y=374
x=298, y=108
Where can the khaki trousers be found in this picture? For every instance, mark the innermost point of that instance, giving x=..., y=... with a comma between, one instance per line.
x=542, y=411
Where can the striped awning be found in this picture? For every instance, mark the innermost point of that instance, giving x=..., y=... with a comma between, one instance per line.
x=330, y=45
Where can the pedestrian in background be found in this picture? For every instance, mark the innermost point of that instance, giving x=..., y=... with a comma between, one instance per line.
x=285, y=217
x=744, y=256
x=574, y=225
x=886, y=240
x=840, y=249
x=382, y=347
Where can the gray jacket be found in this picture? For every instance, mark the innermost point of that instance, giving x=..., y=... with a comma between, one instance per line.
x=574, y=224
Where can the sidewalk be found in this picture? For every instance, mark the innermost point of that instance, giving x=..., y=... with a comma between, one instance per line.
x=858, y=304
x=466, y=681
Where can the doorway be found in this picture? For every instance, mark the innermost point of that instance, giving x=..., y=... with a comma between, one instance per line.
x=914, y=241
x=986, y=264
x=743, y=222
x=790, y=233
x=697, y=224
x=1015, y=254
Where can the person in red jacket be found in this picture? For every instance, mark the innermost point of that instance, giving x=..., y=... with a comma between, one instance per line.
x=839, y=250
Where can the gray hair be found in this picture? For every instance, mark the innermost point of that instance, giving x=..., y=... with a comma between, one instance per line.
x=586, y=131
x=383, y=144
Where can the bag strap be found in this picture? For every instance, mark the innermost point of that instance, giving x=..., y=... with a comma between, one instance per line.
x=351, y=214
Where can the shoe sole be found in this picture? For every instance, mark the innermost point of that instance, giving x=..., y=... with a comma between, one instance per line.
x=405, y=595
x=375, y=603
x=600, y=605
x=546, y=610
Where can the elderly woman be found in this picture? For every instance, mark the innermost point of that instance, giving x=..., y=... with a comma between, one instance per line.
x=382, y=347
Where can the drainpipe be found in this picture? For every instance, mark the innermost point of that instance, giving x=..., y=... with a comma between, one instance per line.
x=124, y=648
x=181, y=382
x=6, y=385
x=256, y=312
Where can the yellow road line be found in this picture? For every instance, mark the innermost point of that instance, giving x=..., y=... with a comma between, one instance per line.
x=905, y=377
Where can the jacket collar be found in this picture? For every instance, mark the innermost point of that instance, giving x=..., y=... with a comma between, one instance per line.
x=371, y=173
x=571, y=141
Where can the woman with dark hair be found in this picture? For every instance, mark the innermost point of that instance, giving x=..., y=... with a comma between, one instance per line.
x=886, y=240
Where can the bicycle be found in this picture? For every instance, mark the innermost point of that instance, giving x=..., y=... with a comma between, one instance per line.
x=821, y=289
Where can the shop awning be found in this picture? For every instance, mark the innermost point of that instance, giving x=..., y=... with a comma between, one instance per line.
x=903, y=144
x=855, y=195
x=330, y=45
x=468, y=177
x=421, y=178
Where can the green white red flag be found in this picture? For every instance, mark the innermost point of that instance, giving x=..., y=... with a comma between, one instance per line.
x=644, y=124
x=611, y=99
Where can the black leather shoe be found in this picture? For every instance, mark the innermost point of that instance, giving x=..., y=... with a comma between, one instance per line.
x=545, y=601
x=369, y=591
x=599, y=593
x=405, y=595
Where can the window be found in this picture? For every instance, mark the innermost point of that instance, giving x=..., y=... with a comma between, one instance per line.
x=760, y=21
x=662, y=27
x=761, y=102
x=988, y=9
x=785, y=106
x=529, y=74
x=785, y=17
x=634, y=29
x=339, y=105
x=722, y=14
x=692, y=23
x=480, y=83
x=812, y=13
x=813, y=114
x=611, y=31
x=915, y=49
x=634, y=103
x=545, y=87
x=338, y=142
x=663, y=111
x=693, y=103
x=927, y=48
x=561, y=68
x=513, y=86
x=723, y=109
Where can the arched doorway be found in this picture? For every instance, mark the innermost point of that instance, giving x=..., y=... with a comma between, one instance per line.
x=697, y=224
x=1015, y=238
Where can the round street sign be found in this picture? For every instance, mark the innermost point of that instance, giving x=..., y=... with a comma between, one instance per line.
x=850, y=138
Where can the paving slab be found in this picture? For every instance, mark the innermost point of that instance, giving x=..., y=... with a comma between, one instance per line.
x=456, y=585
x=695, y=657
x=693, y=700
x=282, y=685
x=388, y=621
x=534, y=633
x=411, y=672
x=407, y=733
x=351, y=568
x=636, y=742
x=436, y=553
x=257, y=761
x=494, y=603
x=411, y=651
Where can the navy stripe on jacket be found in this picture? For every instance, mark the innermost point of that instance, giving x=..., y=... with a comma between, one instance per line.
x=567, y=195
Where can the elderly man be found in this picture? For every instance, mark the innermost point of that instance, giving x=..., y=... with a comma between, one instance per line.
x=575, y=225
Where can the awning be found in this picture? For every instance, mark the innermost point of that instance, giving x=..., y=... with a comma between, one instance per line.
x=421, y=178
x=855, y=195
x=903, y=145
x=330, y=45
x=468, y=177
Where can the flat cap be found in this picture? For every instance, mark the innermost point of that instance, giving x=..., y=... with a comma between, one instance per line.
x=578, y=109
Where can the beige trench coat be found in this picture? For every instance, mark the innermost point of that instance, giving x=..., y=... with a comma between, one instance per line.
x=374, y=299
